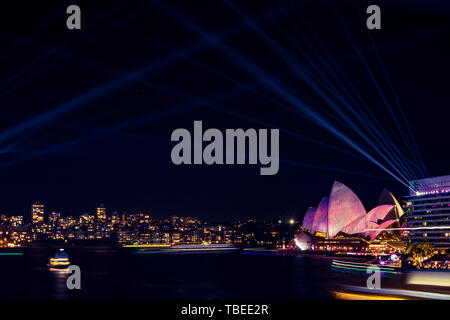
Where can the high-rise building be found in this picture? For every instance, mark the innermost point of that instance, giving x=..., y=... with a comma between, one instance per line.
x=53, y=218
x=428, y=211
x=101, y=213
x=37, y=213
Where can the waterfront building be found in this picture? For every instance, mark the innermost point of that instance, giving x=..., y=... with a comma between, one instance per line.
x=53, y=218
x=427, y=208
x=16, y=221
x=101, y=213
x=341, y=244
x=141, y=228
x=115, y=218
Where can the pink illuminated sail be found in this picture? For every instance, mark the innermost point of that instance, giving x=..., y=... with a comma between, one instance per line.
x=320, y=223
x=368, y=221
x=344, y=208
x=380, y=228
x=309, y=218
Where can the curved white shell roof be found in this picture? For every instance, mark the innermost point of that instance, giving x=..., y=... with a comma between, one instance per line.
x=344, y=208
x=320, y=223
x=381, y=227
x=309, y=218
x=344, y=212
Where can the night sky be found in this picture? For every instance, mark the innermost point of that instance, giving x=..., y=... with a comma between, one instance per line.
x=87, y=114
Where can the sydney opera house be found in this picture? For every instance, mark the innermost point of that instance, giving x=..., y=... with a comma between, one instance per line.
x=341, y=221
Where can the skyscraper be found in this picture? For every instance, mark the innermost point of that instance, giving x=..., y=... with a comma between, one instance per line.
x=101, y=213
x=37, y=213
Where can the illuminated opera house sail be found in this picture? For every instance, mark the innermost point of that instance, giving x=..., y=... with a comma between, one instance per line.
x=343, y=214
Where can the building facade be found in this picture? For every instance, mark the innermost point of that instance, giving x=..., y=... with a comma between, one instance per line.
x=101, y=213
x=428, y=211
x=37, y=213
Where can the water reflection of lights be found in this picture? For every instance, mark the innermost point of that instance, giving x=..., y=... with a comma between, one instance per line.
x=59, y=271
x=60, y=290
x=362, y=267
x=358, y=296
x=389, y=294
x=260, y=253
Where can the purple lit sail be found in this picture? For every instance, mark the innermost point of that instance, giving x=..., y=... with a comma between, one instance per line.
x=344, y=212
x=309, y=218
x=378, y=213
x=320, y=223
x=357, y=226
x=344, y=208
x=380, y=228
x=368, y=221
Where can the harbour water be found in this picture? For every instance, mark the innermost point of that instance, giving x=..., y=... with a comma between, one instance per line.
x=110, y=273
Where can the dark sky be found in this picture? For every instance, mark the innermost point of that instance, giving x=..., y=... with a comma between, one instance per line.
x=87, y=115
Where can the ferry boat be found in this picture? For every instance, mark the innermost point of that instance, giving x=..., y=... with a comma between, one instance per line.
x=59, y=261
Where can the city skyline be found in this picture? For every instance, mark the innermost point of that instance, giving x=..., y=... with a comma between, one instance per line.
x=140, y=229
x=37, y=207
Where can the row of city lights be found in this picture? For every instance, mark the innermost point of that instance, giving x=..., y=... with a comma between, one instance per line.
x=421, y=193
